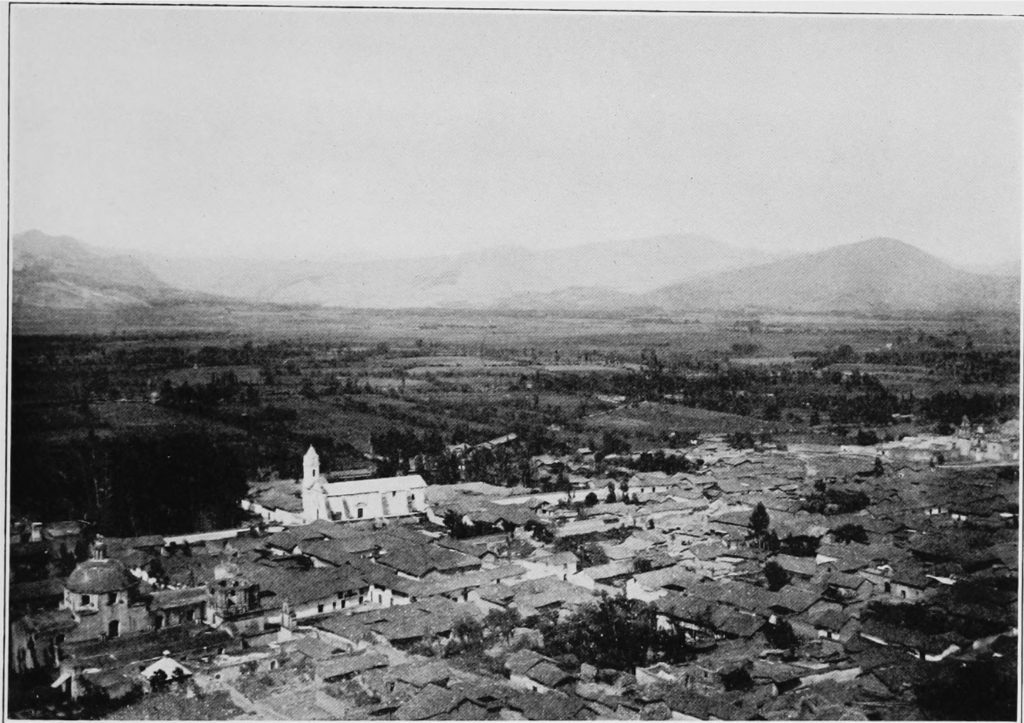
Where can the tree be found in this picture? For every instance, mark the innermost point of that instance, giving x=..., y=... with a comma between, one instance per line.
x=850, y=532
x=590, y=500
x=179, y=676
x=642, y=564
x=879, y=469
x=776, y=576
x=503, y=622
x=611, y=443
x=867, y=438
x=759, y=521
x=158, y=680
x=591, y=554
x=468, y=630
x=614, y=633
x=781, y=636
x=972, y=690
x=458, y=529
x=611, y=493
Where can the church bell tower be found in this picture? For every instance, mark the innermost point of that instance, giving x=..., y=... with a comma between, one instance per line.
x=310, y=466
x=314, y=496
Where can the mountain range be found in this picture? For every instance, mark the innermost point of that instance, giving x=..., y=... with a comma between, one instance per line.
x=676, y=273
x=466, y=279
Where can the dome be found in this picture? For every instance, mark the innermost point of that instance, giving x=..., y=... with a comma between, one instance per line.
x=99, y=576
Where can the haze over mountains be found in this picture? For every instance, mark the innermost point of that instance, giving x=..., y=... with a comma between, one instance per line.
x=466, y=279
x=670, y=273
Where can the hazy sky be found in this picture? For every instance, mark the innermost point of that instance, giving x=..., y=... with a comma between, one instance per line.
x=297, y=132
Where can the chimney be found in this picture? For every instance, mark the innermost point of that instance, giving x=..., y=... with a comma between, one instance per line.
x=99, y=548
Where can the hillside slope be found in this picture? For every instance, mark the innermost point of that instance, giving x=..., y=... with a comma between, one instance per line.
x=62, y=272
x=876, y=276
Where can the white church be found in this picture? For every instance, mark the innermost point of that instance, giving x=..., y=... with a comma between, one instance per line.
x=364, y=499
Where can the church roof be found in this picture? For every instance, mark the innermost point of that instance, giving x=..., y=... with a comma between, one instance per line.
x=99, y=576
x=379, y=484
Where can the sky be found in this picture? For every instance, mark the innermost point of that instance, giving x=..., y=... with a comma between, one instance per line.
x=307, y=133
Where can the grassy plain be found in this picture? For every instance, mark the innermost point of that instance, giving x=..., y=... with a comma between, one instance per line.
x=339, y=377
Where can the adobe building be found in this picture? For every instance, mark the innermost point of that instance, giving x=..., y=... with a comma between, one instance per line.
x=103, y=596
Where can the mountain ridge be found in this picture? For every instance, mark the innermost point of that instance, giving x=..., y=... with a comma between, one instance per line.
x=874, y=275
x=877, y=275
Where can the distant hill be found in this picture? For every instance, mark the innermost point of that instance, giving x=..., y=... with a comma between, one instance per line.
x=479, y=278
x=63, y=273
x=879, y=275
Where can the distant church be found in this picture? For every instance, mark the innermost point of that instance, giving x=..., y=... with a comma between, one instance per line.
x=365, y=499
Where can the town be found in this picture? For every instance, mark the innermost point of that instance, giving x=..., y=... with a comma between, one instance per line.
x=718, y=578
x=596, y=361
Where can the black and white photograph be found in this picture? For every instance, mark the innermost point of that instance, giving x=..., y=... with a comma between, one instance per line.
x=513, y=361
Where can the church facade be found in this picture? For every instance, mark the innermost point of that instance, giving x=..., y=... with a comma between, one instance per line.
x=364, y=499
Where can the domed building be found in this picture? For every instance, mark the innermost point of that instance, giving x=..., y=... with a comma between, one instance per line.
x=104, y=598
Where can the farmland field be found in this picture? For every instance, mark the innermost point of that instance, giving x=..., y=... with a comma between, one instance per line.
x=347, y=379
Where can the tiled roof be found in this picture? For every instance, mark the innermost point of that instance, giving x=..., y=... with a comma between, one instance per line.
x=304, y=586
x=735, y=623
x=48, y=621
x=36, y=590
x=421, y=559
x=431, y=702
x=314, y=648
x=167, y=599
x=522, y=660
x=340, y=665
x=336, y=552
x=379, y=484
x=475, y=579
x=549, y=674
x=544, y=706
x=421, y=674
x=798, y=565
x=623, y=568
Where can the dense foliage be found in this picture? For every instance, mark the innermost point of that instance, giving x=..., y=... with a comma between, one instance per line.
x=132, y=485
x=615, y=632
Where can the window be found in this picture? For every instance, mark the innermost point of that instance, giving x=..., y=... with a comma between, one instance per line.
x=359, y=513
x=85, y=600
x=320, y=608
x=111, y=598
